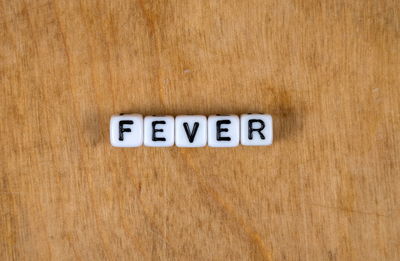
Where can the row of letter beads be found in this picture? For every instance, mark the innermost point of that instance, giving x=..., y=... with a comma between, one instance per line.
x=131, y=130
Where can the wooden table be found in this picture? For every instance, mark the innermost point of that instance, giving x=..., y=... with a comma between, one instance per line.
x=327, y=189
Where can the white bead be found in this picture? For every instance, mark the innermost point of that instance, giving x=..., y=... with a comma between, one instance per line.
x=256, y=129
x=223, y=131
x=159, y=131
x=191, y=131
x=126, y=130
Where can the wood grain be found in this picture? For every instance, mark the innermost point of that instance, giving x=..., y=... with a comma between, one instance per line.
x=327, y=189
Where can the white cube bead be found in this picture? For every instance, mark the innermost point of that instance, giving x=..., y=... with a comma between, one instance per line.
x=223, y=131
x=126, y=130
x=191, y=131
x=159, y=131
x=256, y=129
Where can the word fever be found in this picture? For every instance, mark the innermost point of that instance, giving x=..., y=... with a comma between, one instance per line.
x=132, y=130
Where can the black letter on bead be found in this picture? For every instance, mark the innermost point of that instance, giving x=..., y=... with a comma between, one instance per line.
x=189, y=134
x=154, y=123
x=219, y=130
x=122, y=129
x=251, y=129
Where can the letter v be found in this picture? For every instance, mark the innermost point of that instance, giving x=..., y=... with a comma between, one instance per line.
x=189, y=134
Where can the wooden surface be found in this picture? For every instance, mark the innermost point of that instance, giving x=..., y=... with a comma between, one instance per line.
x=327, y=189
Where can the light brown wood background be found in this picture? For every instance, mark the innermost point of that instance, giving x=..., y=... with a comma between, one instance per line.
x=327, y=189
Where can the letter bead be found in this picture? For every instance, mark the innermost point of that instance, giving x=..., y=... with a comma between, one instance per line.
x=159, y=131
x=256, y=129
x=223, y=131
x=191, y=131
x=126, y=130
